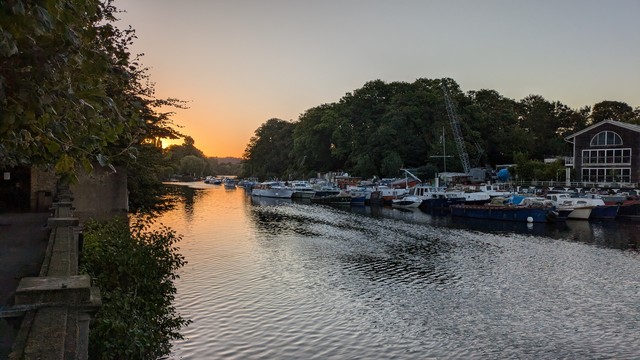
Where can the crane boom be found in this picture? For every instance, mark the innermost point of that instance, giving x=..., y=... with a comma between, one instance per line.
x=457, y=133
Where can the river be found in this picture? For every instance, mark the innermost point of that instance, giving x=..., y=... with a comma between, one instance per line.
x=304, y=281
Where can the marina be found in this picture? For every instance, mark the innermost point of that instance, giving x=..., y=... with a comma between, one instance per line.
x=290, y=279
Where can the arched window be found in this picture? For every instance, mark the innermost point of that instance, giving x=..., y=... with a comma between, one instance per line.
x=606, y=138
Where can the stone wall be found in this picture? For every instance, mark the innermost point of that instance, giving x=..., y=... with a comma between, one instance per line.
x=101, y=194
x=43, y=185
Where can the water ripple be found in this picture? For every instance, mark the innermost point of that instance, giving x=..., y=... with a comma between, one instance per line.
x=293, y=281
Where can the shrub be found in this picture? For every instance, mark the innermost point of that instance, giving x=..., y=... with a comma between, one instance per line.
x=134, y=266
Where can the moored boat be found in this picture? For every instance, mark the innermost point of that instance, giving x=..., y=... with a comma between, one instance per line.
x=630, y=209
x=273, y=189
x=570, y=207
x=575, y=212
x=382, y=195
x=229, y=183
x=435, y=198
x=407, y=202
x=301, y=189
x=475, y=197
x=604, y=212
x=341, y=198
x=530, y=211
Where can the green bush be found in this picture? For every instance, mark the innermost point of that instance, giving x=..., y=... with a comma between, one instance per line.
x=134, y=266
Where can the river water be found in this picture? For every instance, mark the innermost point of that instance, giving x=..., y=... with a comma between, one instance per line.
x=285, y=280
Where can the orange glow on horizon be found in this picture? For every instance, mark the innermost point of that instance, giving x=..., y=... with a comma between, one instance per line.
x=214, y=137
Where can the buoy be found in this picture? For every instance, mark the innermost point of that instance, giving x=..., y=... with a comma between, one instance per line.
x=529, y=219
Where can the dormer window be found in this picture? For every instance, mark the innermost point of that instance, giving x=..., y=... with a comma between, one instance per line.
x=605, y=138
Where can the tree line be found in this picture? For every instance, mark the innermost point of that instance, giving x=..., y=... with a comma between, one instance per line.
x=189, y=162
x=381, y=127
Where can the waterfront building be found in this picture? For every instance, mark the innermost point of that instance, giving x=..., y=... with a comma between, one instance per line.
x=606, y=153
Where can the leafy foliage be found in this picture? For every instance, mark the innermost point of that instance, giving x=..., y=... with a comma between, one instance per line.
x=147, y=194
x=71, y=94
x=268, y=152
x=192, y=164
x=189, y=161
x=134, y=267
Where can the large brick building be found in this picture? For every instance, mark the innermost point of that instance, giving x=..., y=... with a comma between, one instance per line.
x=606, y=152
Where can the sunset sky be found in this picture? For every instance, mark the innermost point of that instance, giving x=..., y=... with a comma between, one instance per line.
x=239, y=63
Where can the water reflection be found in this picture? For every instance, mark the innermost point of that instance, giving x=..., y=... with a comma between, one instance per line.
x=618, y=234
x=609, y=233
x=187, y=194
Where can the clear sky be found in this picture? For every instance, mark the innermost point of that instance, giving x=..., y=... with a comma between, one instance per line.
x=240, y=63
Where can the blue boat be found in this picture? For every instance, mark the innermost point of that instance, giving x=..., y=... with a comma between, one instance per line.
x=537, y=214
x=441, y=202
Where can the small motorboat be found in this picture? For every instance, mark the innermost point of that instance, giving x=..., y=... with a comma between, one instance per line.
x=408, y=202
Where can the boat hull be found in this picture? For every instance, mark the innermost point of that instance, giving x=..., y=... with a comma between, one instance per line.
x=580, y=213
x=441, y=203
x=409, y=202
x=303, y=194
x=359, y=200
x=503, y=213
x=273, y=193
x=630, y=210
x=332, y=199
x=605, y=212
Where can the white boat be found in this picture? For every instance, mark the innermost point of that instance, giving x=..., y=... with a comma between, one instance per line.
x=570, y=207
x=433, y=197
x=229, y=183
x=408, y=202
x=494, y=190
x=302, y=189
x=475, y=197
x=274, y=189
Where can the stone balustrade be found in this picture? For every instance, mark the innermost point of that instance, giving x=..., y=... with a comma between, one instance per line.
x=57, y=305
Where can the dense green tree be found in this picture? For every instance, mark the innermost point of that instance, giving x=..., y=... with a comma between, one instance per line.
x=268, y=153
x=144, y=180
x=362, y=112
x=570, y=120
x=612, y=110
x=312, y=140
x=54, y=79
x=192, y=165
x=391, y=164
x=216, y=168
x=71, y=93
x=496, y=120
x=177, y=152
x=538, y=118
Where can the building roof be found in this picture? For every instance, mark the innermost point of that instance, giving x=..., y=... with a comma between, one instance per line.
x=612, y=122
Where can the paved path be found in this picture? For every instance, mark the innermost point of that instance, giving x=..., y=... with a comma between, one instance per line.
x=23, y=242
